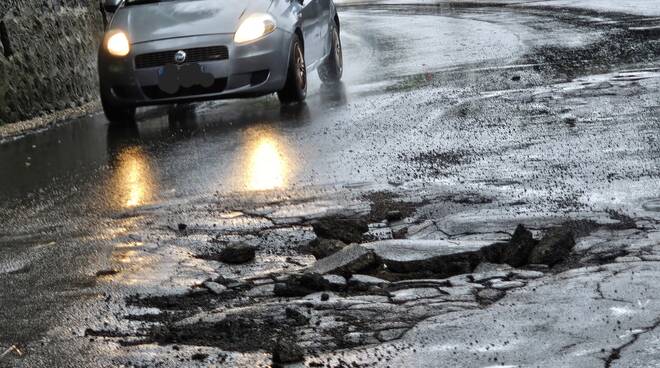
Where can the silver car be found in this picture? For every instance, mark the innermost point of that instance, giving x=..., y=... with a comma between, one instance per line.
x=175, y=51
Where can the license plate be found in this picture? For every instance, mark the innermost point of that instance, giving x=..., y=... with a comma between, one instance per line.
x=171, y=78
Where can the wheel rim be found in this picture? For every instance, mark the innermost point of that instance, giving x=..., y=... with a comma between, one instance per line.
x=339, y=57
x=301, y=70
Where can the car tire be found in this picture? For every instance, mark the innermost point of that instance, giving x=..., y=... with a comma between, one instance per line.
x=295, y=87
x=332, y=68
x=117, y=115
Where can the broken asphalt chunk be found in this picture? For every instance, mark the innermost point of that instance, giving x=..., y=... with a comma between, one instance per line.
x=443, y=257
x=237, y=253
x=554, y=247
x=295, y=317
x=286, y=351
x=488, y=296
x=337, y=282
x=301, y=285
x=352, y=259
x=214, y=287
x=364, y=282
x=321, y=247
x=347, y=230
x=515, y=252
x=394, y=215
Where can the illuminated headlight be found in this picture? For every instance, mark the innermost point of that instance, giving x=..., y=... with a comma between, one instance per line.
x=254, y=27
x=117, y=44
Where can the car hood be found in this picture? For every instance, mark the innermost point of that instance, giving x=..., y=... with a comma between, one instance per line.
x=181, y=18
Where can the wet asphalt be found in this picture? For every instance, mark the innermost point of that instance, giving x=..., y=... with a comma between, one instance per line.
x=430, y=96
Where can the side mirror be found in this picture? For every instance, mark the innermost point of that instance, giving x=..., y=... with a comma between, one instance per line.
x=110, y=6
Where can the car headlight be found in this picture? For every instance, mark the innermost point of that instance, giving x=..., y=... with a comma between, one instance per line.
x=254, y=27
x=117, y=44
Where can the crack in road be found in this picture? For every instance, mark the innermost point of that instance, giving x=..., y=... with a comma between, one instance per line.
x=615, y=354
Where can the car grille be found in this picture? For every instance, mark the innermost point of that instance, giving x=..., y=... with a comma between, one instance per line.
x=155, y=93
x=156, y=59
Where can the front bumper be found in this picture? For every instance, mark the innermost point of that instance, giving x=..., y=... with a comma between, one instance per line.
x=253, y=69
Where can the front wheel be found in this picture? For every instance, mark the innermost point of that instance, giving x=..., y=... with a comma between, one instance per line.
x=332, y=68
x=117, y=114
x=295, y=87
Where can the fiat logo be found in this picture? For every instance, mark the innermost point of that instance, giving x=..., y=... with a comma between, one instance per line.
x=180, y=57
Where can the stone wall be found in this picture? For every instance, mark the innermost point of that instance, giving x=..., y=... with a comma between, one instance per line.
x=47, y=55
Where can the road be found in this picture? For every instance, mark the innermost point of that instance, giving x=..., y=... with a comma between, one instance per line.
x=514, y=114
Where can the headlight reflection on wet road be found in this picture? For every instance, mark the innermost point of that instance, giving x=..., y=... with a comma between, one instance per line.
x=268, y=164
x=133, y=178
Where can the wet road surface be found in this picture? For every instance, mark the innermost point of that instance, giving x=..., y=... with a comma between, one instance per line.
x=483, y=102
x=214, y=146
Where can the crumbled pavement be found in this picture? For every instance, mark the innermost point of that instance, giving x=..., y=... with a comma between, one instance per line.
x=391, y=301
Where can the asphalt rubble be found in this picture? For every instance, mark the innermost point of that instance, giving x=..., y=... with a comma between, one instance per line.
x=359, y=290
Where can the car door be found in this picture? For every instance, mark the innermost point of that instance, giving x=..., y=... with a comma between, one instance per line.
x=311, y=30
